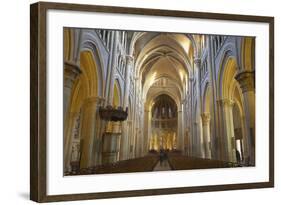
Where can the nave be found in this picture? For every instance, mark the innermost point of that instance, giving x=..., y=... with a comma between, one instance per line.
x=152, y=162
x=128, y=95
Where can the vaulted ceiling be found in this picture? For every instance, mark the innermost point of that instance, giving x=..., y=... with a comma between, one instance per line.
x=164, y=55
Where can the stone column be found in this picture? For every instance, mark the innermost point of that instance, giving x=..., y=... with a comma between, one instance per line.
x=245, y=149
x=141, y=131
x=68, y=142
x=99, y=128
x=124, y=141
x=71, y=72
x=147, y=130
x=89, y=110
x=130, y=138
x=137, y=114
x=197, y=65
x=191, y=132
x=227, y=130
x=112, y=68
x=201, y=149
x=137, y=143
x=231, y=132
x=129, y=67
x=215, y=111
x=187, y=142
x=184, y=125
x=206, y=134
x=125, y=137
x=180, y=138
x=246, y=80
x=197, y=145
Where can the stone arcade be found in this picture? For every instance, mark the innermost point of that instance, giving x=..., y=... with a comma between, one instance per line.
x=193, y=95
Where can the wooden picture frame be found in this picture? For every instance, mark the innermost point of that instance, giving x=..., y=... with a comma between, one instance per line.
x=39, y=95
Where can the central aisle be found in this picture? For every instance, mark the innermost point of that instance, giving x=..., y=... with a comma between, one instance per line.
x=162, y=167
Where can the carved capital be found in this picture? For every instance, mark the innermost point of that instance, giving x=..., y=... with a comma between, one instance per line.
x=71, y=72
x=197, y=61
x=130, y=59
x=226, y=102
x=246, y=80
x=205, y=118
x=93, y=101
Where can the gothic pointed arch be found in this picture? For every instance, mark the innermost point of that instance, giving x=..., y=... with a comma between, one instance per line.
x=192, y=95
x=248, y=53
x=117, y=95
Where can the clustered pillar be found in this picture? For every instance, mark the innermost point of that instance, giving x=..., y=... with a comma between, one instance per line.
x=89, y=111
x=226, y=142
x=71, y=73
x=125, y=131
x=206, y=134
x=247, y=84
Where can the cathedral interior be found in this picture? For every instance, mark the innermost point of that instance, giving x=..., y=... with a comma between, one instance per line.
x=148, y=101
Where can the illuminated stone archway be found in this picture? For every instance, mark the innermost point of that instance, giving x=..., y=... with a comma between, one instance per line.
x=89, y=109
x=83, y=104
x=162, y=58
x=226, y=103
x=164, y=124
x=210, y=79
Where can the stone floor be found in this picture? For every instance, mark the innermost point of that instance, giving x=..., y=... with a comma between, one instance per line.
x=162, y=167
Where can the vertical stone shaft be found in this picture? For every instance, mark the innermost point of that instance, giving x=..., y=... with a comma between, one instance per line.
x=71, y=73
x=247, y=84
x=89, y=111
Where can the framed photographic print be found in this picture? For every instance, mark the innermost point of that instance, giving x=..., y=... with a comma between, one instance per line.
x=134, y=102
